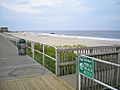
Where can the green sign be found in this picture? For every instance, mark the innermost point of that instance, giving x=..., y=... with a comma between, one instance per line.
x=86, y=66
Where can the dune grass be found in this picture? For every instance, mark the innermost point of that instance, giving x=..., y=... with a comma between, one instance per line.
x=50, y=63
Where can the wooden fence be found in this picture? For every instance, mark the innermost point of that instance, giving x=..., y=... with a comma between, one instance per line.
x=42, y=53
x=66, y=57
x=106, y=75
x=62, y=61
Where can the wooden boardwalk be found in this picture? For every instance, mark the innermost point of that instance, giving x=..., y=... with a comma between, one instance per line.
x=46, y=82
x=24, y=73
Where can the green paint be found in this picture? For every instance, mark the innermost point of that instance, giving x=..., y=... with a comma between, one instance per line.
x=86, y=66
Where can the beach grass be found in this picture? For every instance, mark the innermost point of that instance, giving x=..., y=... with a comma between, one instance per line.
x=29, y=43
x=67, y=69
x=29, y=52
x=38, y=57
x=38, y=47
x=68, y=56
x=50, y=51
x=50, y=63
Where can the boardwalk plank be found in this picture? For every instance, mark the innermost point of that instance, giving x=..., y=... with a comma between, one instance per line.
x=46, y=82
x=24, y=73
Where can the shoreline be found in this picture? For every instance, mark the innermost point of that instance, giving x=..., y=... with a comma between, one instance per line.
x=61, y=40
x=84, y=37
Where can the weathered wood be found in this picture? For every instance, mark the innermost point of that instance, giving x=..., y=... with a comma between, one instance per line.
x=89, y=48
x=43, y=48
x=67, y=63
x=106, y=53
x=14, y=66
x=118, y=70
x=57, y=62
x=32, y=46
x=19, y=69
x=99, y=51
x=47, y=82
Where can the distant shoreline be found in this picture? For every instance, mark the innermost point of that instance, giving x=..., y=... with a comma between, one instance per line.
x=61, y=40
x=84, y=37
x=89, y=33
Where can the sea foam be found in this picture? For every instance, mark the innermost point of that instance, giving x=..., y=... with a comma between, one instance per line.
x=81, y=37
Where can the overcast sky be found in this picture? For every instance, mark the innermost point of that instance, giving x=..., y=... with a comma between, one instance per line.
x=60, y=14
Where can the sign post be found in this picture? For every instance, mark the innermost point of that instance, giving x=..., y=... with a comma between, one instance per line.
x=85, y=68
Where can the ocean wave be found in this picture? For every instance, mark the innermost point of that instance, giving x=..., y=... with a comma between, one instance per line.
x=83, y=37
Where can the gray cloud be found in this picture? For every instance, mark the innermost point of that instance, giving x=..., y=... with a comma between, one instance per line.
x=22, y=2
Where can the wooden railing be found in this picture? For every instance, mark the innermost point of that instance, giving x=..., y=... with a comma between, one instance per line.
x=39, y=53
x=62, y=61
x=106, y=75
x=67, y=57
x=42, y=53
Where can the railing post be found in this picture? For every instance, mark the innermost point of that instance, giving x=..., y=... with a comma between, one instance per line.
x=118, y=70
x=16, y=42
x=78, y=82
x=43, y=54
x=91, y=51
x=32, y=45
x=13, y=41
x=57, y=63
x=26, y=50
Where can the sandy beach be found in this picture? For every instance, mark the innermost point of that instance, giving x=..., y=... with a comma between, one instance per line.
x=61, y=41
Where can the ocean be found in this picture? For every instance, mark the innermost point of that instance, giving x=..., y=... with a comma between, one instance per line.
x=109, y=35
